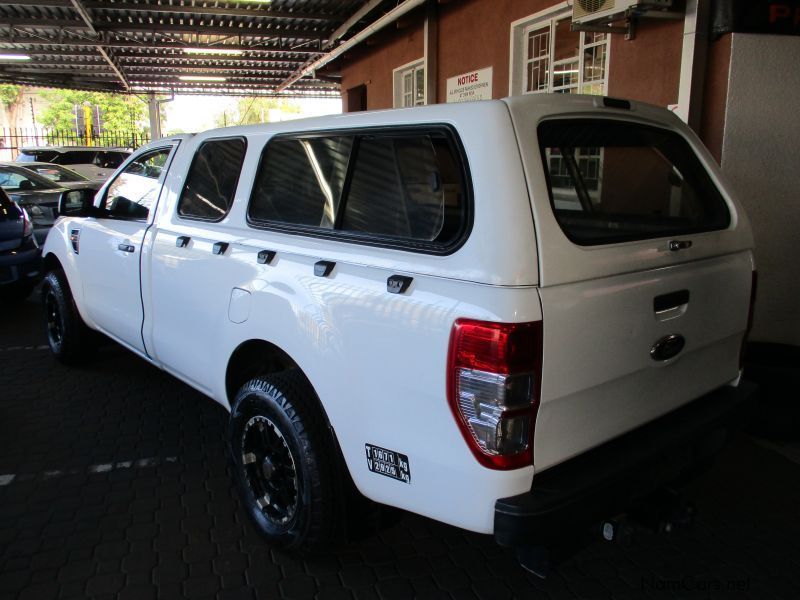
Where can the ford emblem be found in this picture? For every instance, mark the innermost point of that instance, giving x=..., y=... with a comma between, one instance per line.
x=667, y=347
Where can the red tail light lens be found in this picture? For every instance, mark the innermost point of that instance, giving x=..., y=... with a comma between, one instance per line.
x=27, y=226
x=494, y=378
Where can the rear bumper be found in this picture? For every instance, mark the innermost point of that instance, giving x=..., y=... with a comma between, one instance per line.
x=605, y=481
x=20, y=267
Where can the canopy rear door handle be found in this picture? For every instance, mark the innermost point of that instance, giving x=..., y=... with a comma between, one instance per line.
x=669, y=306
x=126, y=248
x=675, y=245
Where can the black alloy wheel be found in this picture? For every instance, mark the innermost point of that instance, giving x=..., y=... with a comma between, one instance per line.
x=270, y=470
x=285, y=462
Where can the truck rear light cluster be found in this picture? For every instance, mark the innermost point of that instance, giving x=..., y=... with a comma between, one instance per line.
x=27, y=225
x=494, y=377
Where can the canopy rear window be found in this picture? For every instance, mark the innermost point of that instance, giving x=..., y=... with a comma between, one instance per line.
x=613, y=181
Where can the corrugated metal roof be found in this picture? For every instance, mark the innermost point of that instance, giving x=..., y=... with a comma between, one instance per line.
x=181, y=46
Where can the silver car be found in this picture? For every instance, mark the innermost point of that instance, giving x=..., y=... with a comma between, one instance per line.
x=95, y=163
x=39, y=196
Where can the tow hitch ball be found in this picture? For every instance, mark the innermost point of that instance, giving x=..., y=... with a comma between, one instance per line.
x=663, y=511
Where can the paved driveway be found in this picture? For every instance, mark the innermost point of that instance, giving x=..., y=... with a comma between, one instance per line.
x=113, y=484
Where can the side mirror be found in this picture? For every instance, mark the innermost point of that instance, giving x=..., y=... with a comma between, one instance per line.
x=77, y=203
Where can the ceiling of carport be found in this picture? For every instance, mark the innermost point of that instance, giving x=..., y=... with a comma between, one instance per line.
x=180, y=46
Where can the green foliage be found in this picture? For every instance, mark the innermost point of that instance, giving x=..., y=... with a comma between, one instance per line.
x=9, y=94
x=249, y=111
x=118, y=112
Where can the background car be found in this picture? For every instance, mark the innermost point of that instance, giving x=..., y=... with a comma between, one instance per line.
x=38, y=195
x=95, y=163
x=20, y=255
x=60, y=175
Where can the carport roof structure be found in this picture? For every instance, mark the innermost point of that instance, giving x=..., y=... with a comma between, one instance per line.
x=178, y=46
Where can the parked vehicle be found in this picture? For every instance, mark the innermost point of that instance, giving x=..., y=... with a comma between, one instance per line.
x=495, y=314
x=60, y=175
x=39, y=196
x=95, y=163
x=20, y=255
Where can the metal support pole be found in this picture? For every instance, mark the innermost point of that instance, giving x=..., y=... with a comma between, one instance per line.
x=155, y=117
x=431, y=52
x=693, y=63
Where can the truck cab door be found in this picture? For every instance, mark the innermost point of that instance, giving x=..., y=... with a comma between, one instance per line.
x=109, y=247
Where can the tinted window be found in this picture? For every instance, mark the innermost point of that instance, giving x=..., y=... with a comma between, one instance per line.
x=211, y=182
x=36, y=156
x=57, y=173
x=111, y=159
x=407, y=189
x=75, y=157
x=20, y=179
x=612, y=182
x=402, y=187
x=136, y=188
x=300, y=181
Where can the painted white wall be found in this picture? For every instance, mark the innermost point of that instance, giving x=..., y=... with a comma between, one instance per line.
x=760, y=156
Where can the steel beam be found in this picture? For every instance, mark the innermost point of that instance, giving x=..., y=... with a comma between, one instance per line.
x=84, y=15
x=210, y=10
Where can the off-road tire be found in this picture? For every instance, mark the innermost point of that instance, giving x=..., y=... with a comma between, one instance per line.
x=281, y=410
x=70, y=339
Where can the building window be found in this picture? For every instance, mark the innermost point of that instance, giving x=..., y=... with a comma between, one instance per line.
x=409, y=84
x=549, y=57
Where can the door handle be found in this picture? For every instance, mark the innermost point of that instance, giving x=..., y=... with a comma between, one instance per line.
x=219, y=248
x=323, y=268
x=126, y=247
x=398, y=284
x=182, y=241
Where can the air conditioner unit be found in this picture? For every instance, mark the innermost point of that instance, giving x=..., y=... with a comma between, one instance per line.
x=585, y=11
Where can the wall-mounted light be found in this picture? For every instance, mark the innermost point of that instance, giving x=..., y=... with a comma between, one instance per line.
x=14, y=57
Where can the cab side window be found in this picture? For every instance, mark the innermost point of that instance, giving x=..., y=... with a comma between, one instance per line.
x=134, y=191
x=212, y=180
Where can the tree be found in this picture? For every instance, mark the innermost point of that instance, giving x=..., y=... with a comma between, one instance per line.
x=10, y=100
x=9, y=95
x=249, y=111
x=118, y=112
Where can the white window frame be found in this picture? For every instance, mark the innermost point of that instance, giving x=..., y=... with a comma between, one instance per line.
x=518, y=65
x=399, y=91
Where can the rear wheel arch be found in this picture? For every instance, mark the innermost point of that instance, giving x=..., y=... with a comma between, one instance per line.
x=258, y=357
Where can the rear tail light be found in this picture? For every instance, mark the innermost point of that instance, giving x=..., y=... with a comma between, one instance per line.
x=27, y=226
x=493, y=381
x=753, y=289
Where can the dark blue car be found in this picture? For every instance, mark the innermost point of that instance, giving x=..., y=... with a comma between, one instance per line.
x=20, y=255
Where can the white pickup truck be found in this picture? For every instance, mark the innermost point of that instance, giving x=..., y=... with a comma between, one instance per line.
x=512, y=316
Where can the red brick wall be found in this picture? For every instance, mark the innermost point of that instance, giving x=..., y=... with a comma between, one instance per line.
x=648, y=67
x=476, y=33
x=371, y=63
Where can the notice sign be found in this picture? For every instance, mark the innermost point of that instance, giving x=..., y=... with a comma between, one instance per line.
x=467, y=87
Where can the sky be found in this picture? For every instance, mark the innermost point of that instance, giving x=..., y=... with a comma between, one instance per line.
x=197, y=113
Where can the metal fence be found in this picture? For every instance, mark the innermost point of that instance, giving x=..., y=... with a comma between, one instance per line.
x=14, y=138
